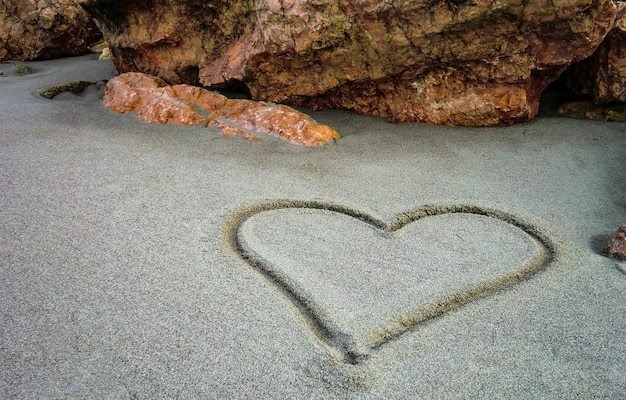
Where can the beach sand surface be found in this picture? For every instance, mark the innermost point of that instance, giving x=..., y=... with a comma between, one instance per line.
x=143, y=261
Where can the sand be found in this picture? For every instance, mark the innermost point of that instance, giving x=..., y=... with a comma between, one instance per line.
x=147, y=261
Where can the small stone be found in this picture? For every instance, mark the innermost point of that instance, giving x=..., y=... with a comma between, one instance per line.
x=99, y=46
x=576, y=106
x=23, y=69
x=105, y=55
x=616, y=247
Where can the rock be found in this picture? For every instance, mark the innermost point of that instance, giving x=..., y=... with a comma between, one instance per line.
x=452, y=62
x=155, y=101
x=616, y=247
x=44, y=29
x=76, y=87
x=23, y=69
x=105, y=54
x=102, y=49
x=603, y=75
x=590, y=110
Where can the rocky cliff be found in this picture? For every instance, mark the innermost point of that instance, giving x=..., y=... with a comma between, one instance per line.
x=453, y=62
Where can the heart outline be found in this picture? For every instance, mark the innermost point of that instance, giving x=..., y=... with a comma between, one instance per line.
x=342, y=345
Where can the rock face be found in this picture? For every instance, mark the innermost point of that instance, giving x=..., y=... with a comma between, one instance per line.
x=157, y=102
x=43, y=29
x=616, y=247
x=603, y=75
x=454, y=62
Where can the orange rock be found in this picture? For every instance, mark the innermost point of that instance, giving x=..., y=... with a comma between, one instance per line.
x=154, y=101
x=275, y=120
x=448, y=62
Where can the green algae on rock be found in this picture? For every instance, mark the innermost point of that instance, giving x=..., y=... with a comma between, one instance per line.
x=476, y=63
x=76, y=87
x=44, y=29
x=23, y=69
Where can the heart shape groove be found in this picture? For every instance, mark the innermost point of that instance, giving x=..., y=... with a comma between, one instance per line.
x=359, y=282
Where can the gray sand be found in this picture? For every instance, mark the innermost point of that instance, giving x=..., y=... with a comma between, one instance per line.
x=123, y=247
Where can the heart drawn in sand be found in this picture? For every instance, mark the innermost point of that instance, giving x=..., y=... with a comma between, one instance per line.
x=360, y=282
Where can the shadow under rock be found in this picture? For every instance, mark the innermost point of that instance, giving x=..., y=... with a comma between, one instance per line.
x=597, y=242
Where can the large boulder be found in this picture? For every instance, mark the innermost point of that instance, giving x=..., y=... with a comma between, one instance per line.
x=43, y=29
x=155, y=101
x=603, y=75
x=453, y=62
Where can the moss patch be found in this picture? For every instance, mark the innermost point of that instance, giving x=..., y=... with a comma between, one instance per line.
x=76, y=87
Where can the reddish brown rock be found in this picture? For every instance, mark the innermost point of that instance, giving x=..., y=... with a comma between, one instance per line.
x=43, y=29
x=603, y=75
x=155, y=101
x=451, y=62
x=616, y=247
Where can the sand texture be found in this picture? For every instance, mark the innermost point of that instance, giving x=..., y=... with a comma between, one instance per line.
x=142, y=261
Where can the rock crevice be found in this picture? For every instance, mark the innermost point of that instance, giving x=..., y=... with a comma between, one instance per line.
x=157, y=102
